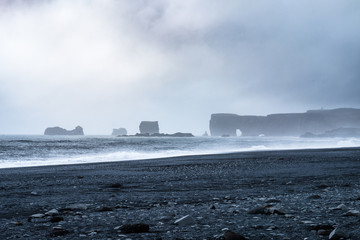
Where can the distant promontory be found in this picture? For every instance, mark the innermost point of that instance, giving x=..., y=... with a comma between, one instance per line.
x=285, y=124
x=61, y=131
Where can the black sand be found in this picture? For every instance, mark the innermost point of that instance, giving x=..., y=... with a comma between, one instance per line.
x=303, y=187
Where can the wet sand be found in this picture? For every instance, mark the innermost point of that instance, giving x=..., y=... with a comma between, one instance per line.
x=296, y=195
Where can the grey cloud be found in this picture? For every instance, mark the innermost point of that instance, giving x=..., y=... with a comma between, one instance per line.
x=113, y=63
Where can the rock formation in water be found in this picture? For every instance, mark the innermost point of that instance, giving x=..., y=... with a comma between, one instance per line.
x=119, y=132
x=178, y=134
x=287, y=124
x=61, y=131
x=149, y=127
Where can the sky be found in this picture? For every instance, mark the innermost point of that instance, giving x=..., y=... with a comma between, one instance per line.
x=108, y=63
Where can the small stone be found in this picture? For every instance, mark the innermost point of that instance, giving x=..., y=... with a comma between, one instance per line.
x=105, y=209
x=352, y=213
x=314, y=197
x=229, y=235
x=267, y=209
x=135, y=228
x=34, y=193
x=323, y=232
x=55, y=219
x=340, y=207
x=38, y=215
x=213, y=207
x=52, y=212
x=186, y=220
x=17, y=223
x=337, y=234
x=321, y=227
x=58, y=231
x=258, y=210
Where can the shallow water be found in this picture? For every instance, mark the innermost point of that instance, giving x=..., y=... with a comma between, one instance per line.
x=25, y=150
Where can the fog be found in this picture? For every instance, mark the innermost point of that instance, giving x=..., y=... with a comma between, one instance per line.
x=109, y=64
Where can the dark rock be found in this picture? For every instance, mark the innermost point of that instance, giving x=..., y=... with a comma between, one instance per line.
x=338, y=234
x=321, y=226
x=58, y=231
x=56, y=219
x=351, y=213
x=213, y=207
x=61, y=131
x=229, y=235
x=105, y=209
x=314, y=197
x=259, y=210
x=322, y=186
x=135, y=228
x=273, y=201
x=267, y=209
x=324, y=232
x=114, y=186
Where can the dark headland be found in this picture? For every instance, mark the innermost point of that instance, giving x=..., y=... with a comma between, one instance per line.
x=314, y=122
x=302, y=194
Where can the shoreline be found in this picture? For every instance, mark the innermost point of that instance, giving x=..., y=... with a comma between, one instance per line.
x=187, y=156
x=297, y=193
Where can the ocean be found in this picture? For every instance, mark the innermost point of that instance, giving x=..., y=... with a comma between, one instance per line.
x=27, y=151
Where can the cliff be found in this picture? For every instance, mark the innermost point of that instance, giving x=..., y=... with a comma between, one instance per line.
x=61, y=131
x=287, y=124
x=148, y=127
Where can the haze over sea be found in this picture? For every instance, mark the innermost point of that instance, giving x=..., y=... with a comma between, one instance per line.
x=32, y=150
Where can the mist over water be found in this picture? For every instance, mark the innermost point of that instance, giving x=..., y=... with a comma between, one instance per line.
x=25, y=151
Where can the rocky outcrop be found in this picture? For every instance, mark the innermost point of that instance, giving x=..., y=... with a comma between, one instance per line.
x=61, y=131
x=178, y=134
x=288, y=124
x=149, y=127
x=119, y=132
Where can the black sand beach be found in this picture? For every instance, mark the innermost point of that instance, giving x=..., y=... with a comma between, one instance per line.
x=300, y=194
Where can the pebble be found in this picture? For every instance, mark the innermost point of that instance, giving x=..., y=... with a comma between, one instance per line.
x=52, y=212
x=186, y=220
x=340, y=207
x=58, y=231
x=338, y=234
x=229, y=235
x=352, y=213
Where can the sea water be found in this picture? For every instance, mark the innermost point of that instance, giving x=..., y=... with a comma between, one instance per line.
x=25, y=151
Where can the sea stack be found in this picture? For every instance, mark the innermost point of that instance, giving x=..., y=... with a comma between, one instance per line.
x=119, y=132
x=149, y=127
x=61, y=131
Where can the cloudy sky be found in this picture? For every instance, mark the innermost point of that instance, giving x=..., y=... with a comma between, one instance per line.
x=106, y=64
